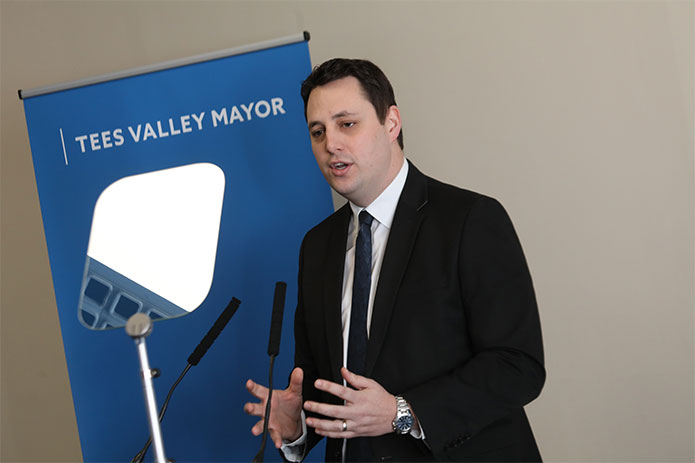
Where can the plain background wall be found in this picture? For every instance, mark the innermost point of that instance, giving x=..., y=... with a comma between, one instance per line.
x=578, y=116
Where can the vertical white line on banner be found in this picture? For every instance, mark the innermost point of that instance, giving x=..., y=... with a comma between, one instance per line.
x=65, y=155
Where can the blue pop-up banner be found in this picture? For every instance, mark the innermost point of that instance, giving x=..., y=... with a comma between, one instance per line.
x=171, y=190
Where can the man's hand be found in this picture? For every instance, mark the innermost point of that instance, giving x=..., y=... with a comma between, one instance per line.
x=285, y=421
x=368, y=411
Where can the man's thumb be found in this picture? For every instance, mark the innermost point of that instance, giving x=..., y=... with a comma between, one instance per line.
x=296, y=380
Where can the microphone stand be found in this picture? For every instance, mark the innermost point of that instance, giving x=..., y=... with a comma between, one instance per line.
x=193, y=360
x=139, y=326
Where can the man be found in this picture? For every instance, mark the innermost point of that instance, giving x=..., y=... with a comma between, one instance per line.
x=425, y=298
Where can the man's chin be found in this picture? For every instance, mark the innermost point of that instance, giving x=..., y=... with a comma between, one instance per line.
x=342, y=187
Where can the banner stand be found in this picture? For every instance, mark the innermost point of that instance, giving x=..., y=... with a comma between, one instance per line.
x=167, y=190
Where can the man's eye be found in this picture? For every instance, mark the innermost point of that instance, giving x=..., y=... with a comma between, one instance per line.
x=317, y=133
x=347, y=125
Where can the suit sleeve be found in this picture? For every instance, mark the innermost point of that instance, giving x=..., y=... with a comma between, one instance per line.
x=505, y=370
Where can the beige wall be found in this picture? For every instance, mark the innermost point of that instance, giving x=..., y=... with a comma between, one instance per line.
x=578, y=116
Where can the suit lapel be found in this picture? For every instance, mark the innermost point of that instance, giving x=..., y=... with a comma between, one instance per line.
x=404, y=229
x=333, y=290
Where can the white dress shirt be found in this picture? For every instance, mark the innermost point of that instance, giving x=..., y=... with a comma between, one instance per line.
x=383, y=208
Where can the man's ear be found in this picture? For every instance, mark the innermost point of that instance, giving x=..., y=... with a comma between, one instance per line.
x=392, y=122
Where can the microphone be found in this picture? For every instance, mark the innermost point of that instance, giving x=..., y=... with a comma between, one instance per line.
x=215, y=331
x=193, y=360
x=276, y=320
x=273, y=351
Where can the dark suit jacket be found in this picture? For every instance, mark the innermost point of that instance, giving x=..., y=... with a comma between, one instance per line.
x=455, y=327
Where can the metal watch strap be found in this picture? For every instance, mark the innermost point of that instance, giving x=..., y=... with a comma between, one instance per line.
x=402, y=405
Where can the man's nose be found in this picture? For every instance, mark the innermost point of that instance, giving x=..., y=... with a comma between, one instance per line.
x=334, y=142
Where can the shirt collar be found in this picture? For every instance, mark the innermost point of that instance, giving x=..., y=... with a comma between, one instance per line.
x=383, y=208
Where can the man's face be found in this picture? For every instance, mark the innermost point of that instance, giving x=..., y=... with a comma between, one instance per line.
x=358, y=155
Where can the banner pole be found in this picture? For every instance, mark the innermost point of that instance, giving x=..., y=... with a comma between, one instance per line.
x=300, y=37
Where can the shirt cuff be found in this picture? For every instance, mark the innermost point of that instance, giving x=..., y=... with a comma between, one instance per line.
x=418, y=433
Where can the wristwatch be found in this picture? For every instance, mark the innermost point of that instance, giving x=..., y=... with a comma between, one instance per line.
x=403, y=422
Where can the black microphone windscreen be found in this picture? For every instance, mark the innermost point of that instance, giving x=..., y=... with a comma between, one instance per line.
x=276, y=320
x=215, y=331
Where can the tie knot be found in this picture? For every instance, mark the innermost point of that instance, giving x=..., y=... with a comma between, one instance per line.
x=365, y=218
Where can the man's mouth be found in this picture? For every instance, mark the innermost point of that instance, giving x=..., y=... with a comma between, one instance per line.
x=338, y=165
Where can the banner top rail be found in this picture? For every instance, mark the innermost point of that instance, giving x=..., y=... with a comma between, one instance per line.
x=287, y=40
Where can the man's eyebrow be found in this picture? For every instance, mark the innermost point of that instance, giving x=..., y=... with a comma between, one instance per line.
x=342, y=114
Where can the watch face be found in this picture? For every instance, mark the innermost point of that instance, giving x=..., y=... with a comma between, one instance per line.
x=404, y=423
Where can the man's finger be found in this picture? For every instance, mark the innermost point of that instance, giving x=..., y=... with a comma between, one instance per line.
x=337, y=435
x=296, y=380
x=327, y=425
x=258, y=391
x=332, y=428
x=337, y=390
x=255, y=409
x=355, y=380
x=257, y=428
x=275, y=437
x=334, y=411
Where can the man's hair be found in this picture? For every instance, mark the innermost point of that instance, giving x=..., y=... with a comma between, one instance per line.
x=373, y=81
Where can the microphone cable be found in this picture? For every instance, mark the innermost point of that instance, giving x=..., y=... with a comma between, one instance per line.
x=259, y=456
x=141, y=454
x=273, y=351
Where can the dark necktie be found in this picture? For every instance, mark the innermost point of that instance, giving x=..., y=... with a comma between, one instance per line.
x=357, y=449
x=357, y=339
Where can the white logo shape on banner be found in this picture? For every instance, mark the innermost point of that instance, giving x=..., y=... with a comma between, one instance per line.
x=158, y=230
